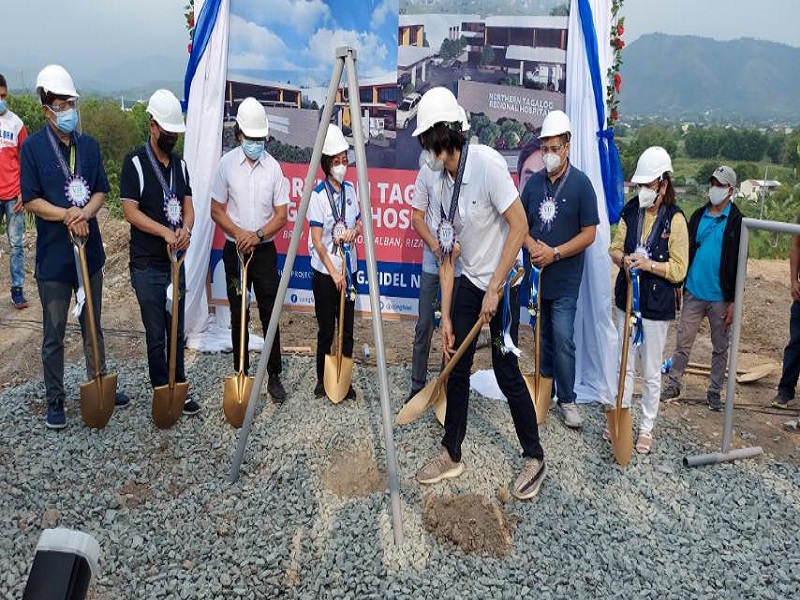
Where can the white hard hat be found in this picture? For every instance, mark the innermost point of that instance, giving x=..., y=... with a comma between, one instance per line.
x=165, y=109
x=252, y=119
x=56, y=80
x=439, y=105
x=652, y=164
x=334, y=141
x=555, y=123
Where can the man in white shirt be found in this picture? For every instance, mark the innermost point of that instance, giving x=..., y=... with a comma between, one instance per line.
x=250, y=200
x=483, y=222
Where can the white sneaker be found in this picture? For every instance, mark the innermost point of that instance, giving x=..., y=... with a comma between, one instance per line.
x=572, y=418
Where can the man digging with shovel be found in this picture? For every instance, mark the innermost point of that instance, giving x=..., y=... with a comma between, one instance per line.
x=482, y=219
x=64, y=184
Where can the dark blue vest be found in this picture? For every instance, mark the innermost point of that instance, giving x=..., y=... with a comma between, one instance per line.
x=656, y=294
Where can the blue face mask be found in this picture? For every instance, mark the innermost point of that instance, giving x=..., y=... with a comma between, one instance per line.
x=67, y=120
x=253, y=148
x=3, y=106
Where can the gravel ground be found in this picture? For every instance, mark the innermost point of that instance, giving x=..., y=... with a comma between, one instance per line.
x=309, y=517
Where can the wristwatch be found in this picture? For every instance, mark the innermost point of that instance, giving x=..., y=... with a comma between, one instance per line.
x=556, y=254
x=260, y=234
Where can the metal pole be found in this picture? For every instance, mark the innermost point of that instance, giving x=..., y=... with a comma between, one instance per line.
x=269, y=339
x=733, y=355
x=741, y=269
x=349, y=55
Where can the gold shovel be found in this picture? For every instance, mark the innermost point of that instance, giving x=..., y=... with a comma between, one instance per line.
x=168, y=400
x=539, y=387
x=238, y=387
x=435, y=392
x=618, y=419
x=97, y=395
x=338, y=371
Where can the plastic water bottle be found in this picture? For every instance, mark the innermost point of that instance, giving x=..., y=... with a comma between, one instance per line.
x=366, y=351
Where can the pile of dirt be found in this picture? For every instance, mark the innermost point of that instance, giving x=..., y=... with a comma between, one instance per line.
x=354, y=472
x=469, y=522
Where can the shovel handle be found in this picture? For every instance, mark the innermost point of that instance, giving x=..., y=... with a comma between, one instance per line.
x=340, y=340
x=243, y=329
x=176, y=259
x=626, y=335
x=80, y=243
x=451, y=364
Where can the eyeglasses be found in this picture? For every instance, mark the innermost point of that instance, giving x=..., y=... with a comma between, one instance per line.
x=653, y=185
x=552, y=149
x=65, y=105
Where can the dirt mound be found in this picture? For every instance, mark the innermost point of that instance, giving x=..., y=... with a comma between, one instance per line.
x=470, y=522
x=354, y=473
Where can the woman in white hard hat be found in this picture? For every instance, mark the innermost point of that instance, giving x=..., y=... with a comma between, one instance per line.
x=334, y=222
x=63, y=182
x=483, y=222
x=652, y=241
x=250, y=200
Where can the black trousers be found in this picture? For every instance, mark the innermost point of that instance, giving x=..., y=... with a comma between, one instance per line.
x=262, y=278
x=326, y=308
x=466, y=310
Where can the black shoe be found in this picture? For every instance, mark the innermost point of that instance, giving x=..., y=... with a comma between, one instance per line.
x=351, y=394
x=411, y=395
x=121, y=400
x=319, y=391
x=714, y=402
x=780, y=401
x=275, y=389
x=191, y=408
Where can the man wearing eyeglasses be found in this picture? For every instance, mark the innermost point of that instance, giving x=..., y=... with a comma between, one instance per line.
x=64, y=184
x=561, y=207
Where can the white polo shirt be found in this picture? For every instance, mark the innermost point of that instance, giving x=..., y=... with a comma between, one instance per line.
x=320, y=214
x=426, y=198
x=487, y=191
x=250, y=192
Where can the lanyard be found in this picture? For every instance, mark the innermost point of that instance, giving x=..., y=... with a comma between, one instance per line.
x=338, y=215
x=73, y=159
x=451, y=212
x=171, y=206
x=654, y=232
x=710, y=228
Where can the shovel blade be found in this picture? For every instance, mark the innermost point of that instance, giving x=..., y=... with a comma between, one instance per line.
x=235, y=398
x=413, y=409
x=621, y=429
x=543, y=399
x=97, y=400
x=337, y=377
x=168, y=404
x=440, y=403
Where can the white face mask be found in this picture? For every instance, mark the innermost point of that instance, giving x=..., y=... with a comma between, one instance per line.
x=434, y=164
x=647, y=197
x=552, y=162
x=338, y=172
x=717, y=195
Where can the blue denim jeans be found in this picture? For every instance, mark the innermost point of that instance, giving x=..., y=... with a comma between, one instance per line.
x=150, y=285
x=15, y=230
x=558, y=345
x=791, y=356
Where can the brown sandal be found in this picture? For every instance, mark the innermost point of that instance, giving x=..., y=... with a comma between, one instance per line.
x=645, y=442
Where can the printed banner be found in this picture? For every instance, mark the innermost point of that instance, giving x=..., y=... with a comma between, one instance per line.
x=507, y=67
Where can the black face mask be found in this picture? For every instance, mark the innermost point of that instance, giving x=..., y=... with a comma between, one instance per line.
x=166, y=141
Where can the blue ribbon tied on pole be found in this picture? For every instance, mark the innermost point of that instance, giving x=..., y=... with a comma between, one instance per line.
x=507, y=343
x=610, y=165
x=533, y=301
x=637, y=331
x=351, y=287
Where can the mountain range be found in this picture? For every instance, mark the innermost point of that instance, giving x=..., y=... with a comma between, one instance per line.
x=690, y=77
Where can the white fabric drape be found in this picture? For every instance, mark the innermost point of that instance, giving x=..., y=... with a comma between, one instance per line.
x=595, y=335
x=202, y=149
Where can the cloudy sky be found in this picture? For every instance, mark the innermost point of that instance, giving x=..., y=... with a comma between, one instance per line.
x=284, y=40
x=93, y=36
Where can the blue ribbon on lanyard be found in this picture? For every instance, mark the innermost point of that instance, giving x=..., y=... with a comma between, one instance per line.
x=533, y=301
x=636, y=315
x=507, y=343
x=351, y=288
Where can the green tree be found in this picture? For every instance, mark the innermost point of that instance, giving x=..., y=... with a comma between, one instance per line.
x=705, y=171
x=487, y=56
x=489, y=134
x=746, y=171
x=115, y=131
x=451, y=49
x=29, y=109
x=562, y=10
